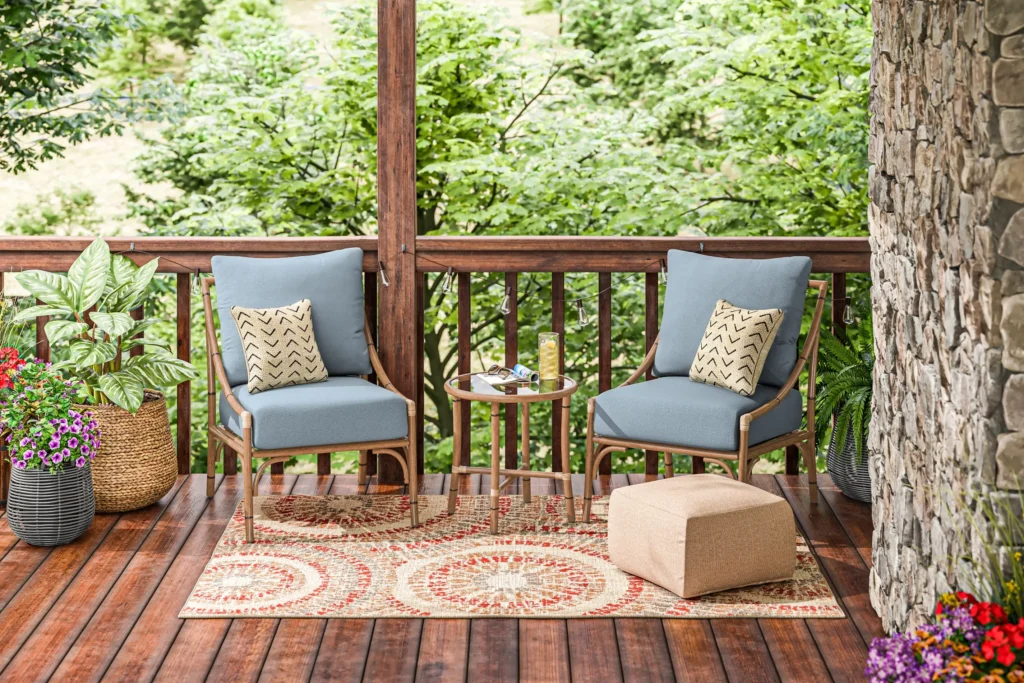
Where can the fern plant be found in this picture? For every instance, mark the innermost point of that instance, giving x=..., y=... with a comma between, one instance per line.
x=90, y=314
x=844, y=390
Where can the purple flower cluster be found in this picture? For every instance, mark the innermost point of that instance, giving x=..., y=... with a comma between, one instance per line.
x=65, y=442
x=926, y=653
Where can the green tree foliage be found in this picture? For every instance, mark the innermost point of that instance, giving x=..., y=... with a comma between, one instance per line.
x=47, y=48
x=62, y=212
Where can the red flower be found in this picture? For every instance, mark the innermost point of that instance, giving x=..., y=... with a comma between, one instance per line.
x=986, y=613
x=9, y=363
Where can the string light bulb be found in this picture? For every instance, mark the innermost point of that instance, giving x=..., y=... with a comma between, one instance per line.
x=664, y=273
x=383, y=274
x=848, y=315
x=584, y=319
x=446, y=285
x=506, y=303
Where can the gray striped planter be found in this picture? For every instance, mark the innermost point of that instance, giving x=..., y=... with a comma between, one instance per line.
x=50, y=509
x=852, y=479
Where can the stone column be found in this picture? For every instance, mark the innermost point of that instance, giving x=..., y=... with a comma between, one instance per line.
x=947, y=230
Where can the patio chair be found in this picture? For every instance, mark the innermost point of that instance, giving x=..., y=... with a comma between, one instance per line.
x=344, y=413
x=673, y=414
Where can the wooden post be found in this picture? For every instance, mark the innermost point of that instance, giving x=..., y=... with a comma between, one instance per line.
x=839, y=303
x=462, y=423
x=398, y=338
x=604, y=346
x=370, y=306
x=650, y=334
x=184, y=348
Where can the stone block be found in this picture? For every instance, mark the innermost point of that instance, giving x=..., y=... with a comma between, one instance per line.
x=1008, y=182
x=1010, y=461
x=1013, y=282
x=1004, y=17
x=1012, y=47
x=1012, y=329
x=1011, y=130
x=1008, y=81
x=1011, y=244
x=1013, y=403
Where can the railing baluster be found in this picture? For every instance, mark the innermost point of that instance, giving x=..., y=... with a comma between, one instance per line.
x=421, y=291
x=839, y=303
x=511, y=356
x=323, y=465
x=604, y=344
x=651, y=459
x=139, y=313
x=184, y=348
x=42, y=344
x=464, y=350
x=557, y=325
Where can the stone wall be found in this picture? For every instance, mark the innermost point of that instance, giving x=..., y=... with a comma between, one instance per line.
x=947, y=230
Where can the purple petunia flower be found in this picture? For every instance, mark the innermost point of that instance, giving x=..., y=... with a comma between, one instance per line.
x=54, y=443
x=63, y=429
x=57, y=458
x=20, y=464
x=85, y=449
x=24, y=442
x=72, y=442
x=76, y=428
x=27, y=454
x=80, y=462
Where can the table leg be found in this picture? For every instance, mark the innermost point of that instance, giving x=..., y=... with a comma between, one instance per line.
x=495, y=465
x=570, y=506
x=453, y=492
x=526, y=451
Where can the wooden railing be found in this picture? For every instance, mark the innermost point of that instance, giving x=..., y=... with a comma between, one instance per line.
x=187, y=256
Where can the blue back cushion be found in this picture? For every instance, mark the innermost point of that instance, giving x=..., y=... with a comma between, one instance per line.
x=696, y=283
x=333, y=282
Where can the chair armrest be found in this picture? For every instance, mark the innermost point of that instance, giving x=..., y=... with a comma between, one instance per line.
x=644, y=366
x=213, y=356
x=382, y=377
x=808, y=352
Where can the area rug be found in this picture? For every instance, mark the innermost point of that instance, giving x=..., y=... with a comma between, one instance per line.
x=355, y=556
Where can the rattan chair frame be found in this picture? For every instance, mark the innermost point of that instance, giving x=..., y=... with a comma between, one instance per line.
x=220, y=437
x=598, y=447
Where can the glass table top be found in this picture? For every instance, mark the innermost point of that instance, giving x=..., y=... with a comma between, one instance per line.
x=476, y=384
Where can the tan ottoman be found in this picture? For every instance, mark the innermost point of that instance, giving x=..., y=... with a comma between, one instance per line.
x=701, y=533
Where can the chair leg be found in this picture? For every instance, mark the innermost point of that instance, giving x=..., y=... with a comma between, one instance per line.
x=361, y=473
x=744, y=466
x=247, y=481
x=570, y=504
x=410, y=461
x=495, y=466
x=453, y=491
x=670, y=470
x=211, y=463
x=588, y=477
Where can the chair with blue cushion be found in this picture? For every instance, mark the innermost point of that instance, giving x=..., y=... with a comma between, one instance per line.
x=673, y=414
x=344, y=413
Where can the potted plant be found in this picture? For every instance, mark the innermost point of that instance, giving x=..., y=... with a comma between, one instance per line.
x=844, y=398
x=52, y=445
x=10, y=360
x=91, y=323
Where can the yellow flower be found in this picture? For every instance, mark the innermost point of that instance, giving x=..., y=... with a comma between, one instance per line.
x=1017, y=556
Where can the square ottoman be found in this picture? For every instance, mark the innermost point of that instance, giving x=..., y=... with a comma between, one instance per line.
x=701, y=533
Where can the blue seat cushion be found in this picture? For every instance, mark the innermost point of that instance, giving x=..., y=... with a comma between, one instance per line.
x=338, y=411
x=333, y=282
x=676, y=410
x=696, y=283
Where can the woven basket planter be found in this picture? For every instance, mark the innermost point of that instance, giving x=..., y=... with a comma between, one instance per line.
x=852, y=479
x=136, y=464
x=50, y=509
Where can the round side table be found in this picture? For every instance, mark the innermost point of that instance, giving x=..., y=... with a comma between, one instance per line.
x=472, y=387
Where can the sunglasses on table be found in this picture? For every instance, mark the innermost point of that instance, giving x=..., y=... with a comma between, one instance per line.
x=501, y=372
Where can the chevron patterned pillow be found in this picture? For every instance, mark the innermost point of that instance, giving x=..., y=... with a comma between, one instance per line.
x=280, y=350
x=735, y=345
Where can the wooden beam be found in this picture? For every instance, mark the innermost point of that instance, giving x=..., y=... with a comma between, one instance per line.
x=651, y=459
x=396, y=199
x=557, y=325
x=370, y=307
x=604, y=345
x=511, y=358
x=464, y=342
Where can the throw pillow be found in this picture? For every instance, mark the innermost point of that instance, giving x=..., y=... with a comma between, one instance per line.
x=279, y=347
x=735, y=345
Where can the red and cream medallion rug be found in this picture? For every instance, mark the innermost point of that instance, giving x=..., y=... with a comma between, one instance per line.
x=355, y=556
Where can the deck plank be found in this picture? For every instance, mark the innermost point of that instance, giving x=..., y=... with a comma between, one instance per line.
x=854, y=515
x=201, y=642
x=343, y=650
x=494, y=650
x=593, y=652
x=444, y=651
x=643, y=650
x=744, y=653
x=100, y=640
x=841, y=562
x=544, y=650
x=157, y=627
x=691, y=644
x=61, y=598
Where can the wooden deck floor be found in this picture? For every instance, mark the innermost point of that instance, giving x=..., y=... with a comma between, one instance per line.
x=104, y=608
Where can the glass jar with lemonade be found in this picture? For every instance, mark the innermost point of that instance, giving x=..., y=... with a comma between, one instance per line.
x=548, y=343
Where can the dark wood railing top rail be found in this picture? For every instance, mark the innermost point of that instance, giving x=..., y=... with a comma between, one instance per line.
x=476, y=254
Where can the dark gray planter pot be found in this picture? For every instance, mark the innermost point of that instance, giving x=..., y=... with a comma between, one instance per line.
x=852, y=479
x=50, y=509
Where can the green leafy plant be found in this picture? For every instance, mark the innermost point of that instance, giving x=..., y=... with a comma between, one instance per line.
x=59, y=213
x=844, y=389
x=90, y=314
